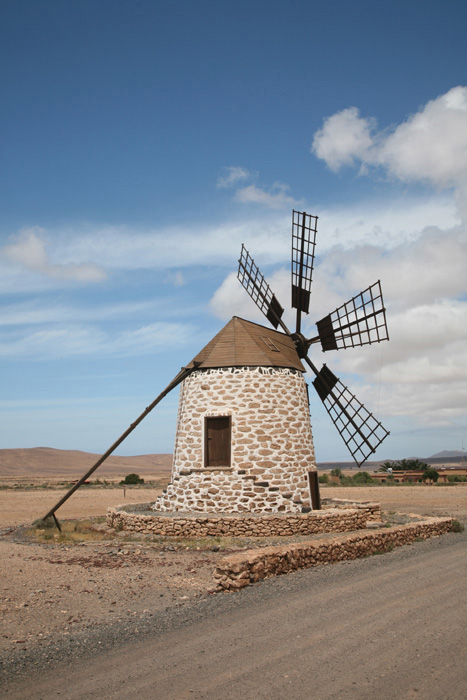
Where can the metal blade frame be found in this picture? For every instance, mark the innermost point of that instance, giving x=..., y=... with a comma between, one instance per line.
x=360, y=321
x=304, y=230
x=259, y=290
x=359, y=429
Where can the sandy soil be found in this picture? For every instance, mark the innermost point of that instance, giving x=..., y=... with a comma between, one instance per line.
x=51, y=591
x=426, y=500
x=23, y=507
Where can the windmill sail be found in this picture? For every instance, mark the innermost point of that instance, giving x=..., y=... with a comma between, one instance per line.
x=304, y=229
x=359, y=429
x=258, y=289
x=360, y=321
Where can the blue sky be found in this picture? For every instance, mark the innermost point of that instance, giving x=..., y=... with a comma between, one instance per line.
x=142, y=143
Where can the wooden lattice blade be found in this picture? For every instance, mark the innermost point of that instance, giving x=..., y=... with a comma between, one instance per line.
x=360, y=321
x=304, y=229
x=258, y=289
x=359, y=429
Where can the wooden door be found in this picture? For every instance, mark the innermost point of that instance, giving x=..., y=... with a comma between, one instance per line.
x=314, y=490
x=217, y=441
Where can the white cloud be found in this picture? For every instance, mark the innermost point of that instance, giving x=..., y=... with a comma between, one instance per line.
x=175, y=249
x=420, y=272
x=344, y=138
x=29, y=250
x=420, y=257
x=231, y=299
x=233, y=175
x=277, y=198
x=35, y=312
x=73, y=340
x=430, y=146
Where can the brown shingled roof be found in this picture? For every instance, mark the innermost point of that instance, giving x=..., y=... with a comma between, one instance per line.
x=244, y=344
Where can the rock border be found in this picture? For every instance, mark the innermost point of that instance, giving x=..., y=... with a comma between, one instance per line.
x=344, y=517
x=244, y=568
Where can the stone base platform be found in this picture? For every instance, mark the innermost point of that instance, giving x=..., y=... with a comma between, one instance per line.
x=338, y=516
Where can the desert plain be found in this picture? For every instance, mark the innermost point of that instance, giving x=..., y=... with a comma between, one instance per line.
x=53, y=594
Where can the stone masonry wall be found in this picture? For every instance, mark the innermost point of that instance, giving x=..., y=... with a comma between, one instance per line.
x=223, y=491
x=239, y=570
x=271, y=442
x=270, y=525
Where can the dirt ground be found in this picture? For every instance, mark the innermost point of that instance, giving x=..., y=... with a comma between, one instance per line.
x=425, y=500
x=50, y=591
x=24, y=506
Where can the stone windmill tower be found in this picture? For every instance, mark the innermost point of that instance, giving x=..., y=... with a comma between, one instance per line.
x=244, y=440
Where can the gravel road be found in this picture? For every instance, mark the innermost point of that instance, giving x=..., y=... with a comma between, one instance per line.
x=390, y=627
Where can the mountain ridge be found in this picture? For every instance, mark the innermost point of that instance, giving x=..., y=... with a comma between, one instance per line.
x=52, y=462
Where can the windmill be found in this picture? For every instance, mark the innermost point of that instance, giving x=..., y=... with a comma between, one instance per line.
x=360, y=321
x=215, y=468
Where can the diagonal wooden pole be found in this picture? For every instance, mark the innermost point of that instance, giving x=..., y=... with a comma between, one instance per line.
x=183, y=374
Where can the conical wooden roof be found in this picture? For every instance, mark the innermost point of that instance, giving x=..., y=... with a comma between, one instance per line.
x=245, y=344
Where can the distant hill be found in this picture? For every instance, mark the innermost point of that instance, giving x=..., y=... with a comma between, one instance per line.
x=37, y=462
x=446, y=454
x=48, y=462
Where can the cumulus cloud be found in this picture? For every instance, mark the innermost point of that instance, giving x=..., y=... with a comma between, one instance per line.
x=430, y=146
x=29, y=250
x=424, y=292
x=416, y=246
x=344, y=139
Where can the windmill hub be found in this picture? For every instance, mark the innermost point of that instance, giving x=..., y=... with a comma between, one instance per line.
x=301, y=344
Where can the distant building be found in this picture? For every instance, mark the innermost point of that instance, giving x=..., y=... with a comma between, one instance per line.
x=417, y=476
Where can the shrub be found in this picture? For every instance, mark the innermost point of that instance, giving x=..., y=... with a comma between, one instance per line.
x=408, y=465
x=323, y=478
x=431, y=474
x=362, y=478
x=40, y=524
x=336, y=472
x=456, y=526
x=132, y=479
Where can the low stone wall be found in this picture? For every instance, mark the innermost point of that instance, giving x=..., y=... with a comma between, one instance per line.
x=239, y=570
x=373, y=509
x=244, y=525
